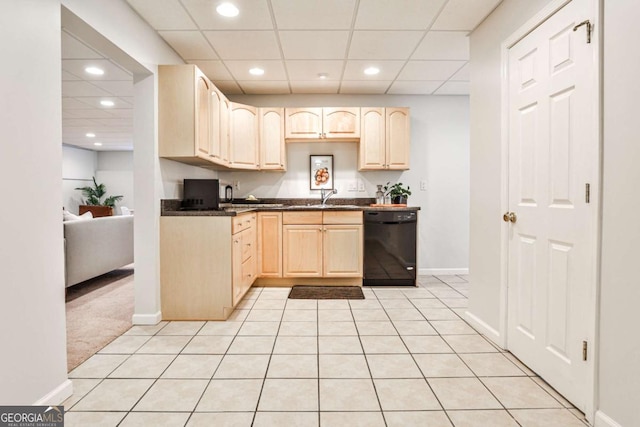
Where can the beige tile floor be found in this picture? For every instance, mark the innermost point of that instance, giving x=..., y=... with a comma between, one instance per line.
x=402, y=357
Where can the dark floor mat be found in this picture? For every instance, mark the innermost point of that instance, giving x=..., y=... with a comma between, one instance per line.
x=326, y=292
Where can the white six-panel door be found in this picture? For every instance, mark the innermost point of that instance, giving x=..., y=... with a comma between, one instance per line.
x=553, y=154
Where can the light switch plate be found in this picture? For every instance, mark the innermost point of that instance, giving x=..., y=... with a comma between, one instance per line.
x=360, y=185
x=423, y=185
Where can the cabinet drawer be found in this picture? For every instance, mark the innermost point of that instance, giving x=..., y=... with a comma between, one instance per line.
x=343, y=217
x=242, y=222
x=302, y=217
x=248, y=238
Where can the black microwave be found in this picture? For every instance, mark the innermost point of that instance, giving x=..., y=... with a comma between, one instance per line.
x=201, y=194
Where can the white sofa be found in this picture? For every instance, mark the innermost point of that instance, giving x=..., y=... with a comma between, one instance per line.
x=97, y=246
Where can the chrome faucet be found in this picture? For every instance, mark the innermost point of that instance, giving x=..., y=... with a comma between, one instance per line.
x=325, y=196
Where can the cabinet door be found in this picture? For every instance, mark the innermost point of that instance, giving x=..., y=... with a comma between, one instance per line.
x=303, y=123
x=203, y=119
x=225, y=111
x=342, y=256
x=341, y=123
x=244, y=136
x=215, y=146
x=270, y=244
x=398, y=138
x=372, y=139
x=272, y=152
x=237, y=273
x=302, y=250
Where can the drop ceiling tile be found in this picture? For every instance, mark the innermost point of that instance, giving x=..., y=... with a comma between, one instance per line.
x=397, y=14
x=430, y=70
x=264, y=87
x=244, y=45
x=309, y=70
x=215, y=70
x=364, y=87
x=315, y=86
x=72, y=48
x=91, y=113
x=464, y=15
x=254, y=15
x=94, y=102
x=67, y=76
x=120, y=113
x=414, y=87
x=82, y=88
x=313, y=15
x=111, y=70
x=388, y=70
x=189, y=44
x=228, y=87
x=116, y=88
x=453, y=88
x=464, y=74
x=163, y=14
x=314, y=44
x=273, y=70
x=383, y=45
x=114, y=122
x=443, y=45
x=85, y=124
x=73, y=104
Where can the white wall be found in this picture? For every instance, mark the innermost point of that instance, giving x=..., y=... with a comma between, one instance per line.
x=115, y=171
x=620, y=294
x=78, y=167
x=33, y=360
x=486, y=226
x=439, y=156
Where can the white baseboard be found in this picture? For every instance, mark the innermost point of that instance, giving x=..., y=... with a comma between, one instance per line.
x=146, y=319
x=57, y=395
x=442, y=271
x=603, y=420
x=486, y=330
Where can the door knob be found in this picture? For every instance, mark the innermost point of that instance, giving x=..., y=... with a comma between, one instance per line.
x=509, y=217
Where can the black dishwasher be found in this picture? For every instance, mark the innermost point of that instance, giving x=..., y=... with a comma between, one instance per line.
x=390, y=248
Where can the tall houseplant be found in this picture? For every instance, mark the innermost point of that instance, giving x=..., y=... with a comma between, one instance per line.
x=93, y=200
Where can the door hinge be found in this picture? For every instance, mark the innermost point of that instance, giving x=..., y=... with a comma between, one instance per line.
x=589, y=26
x=584, y=350
x=587, y=193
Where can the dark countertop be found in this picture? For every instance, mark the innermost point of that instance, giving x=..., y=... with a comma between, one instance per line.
x=172, y=207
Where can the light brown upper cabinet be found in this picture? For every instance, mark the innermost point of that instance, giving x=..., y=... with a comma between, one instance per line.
x=243, y=138
x=340, y=124
x=219, y=109
x=385, y=139
x=184, y=122
x=272, y=148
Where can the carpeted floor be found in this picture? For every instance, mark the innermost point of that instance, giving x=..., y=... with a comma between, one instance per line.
x=98, y=311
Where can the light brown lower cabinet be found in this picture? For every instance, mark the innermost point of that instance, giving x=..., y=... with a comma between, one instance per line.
x=204, y=273
x=270, y=244
x=322, y=244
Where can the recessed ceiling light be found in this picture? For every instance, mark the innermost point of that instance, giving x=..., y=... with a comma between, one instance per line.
x=228, y=10
x=371, y=71
x=99, y=144
x=90, y=135
x=323, y=76
x=94, y=70
x=107, y=103
x=256, y=71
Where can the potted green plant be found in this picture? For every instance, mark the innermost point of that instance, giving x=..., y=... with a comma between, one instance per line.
x=398, y=193
x=94, y=203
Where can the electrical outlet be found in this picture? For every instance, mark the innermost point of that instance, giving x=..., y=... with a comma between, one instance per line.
x=360, y=185
x=423, y=185
x=352, y=186
x=236, y=185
